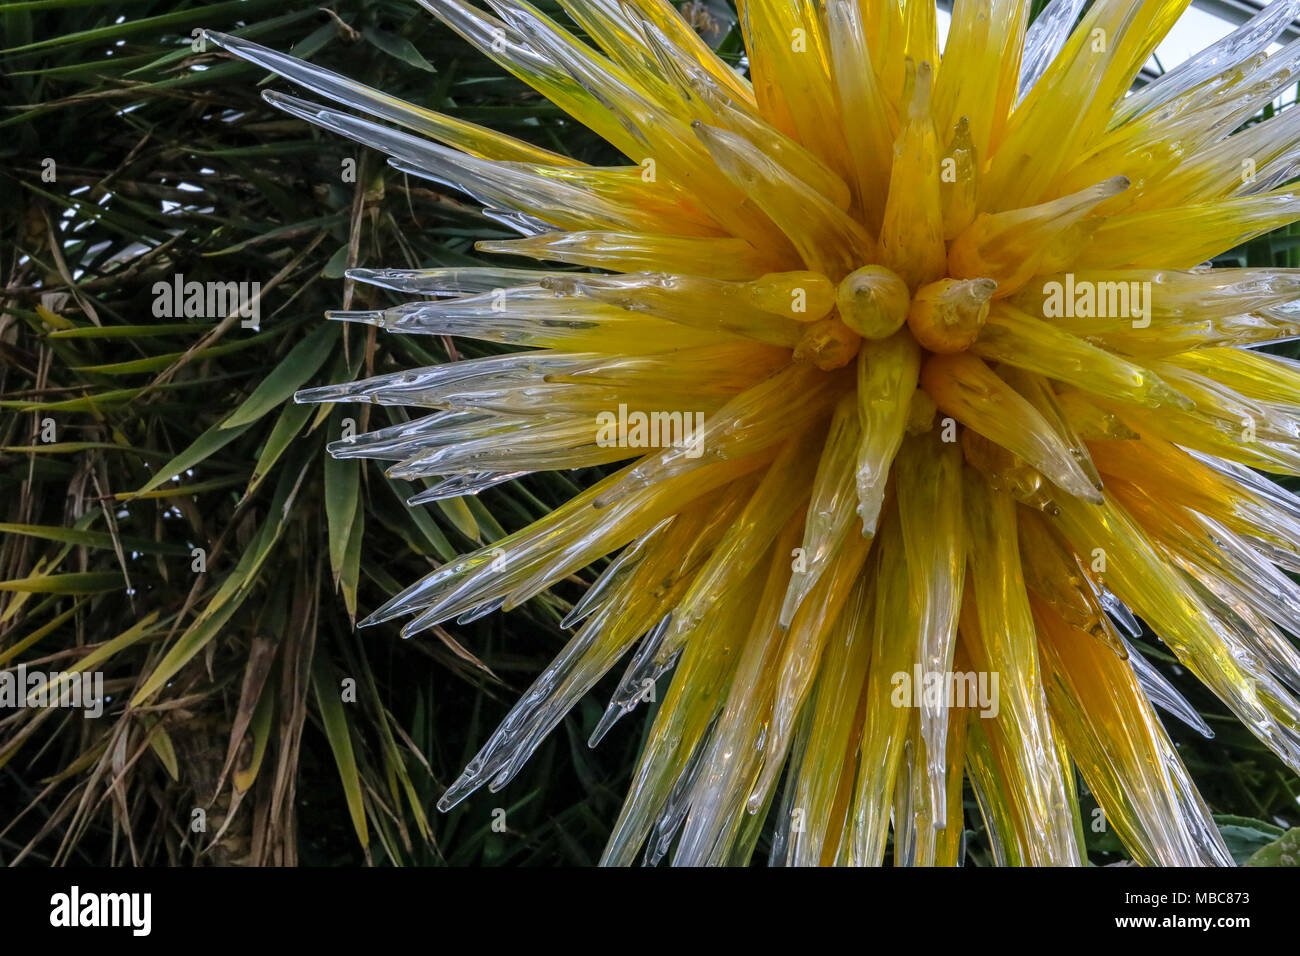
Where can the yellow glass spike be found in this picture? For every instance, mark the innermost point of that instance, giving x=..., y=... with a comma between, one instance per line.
x=911, y=237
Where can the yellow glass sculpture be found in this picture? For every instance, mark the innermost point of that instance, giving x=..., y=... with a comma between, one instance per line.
x=970, y=404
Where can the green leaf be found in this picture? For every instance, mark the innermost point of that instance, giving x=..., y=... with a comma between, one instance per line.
x=286, y=429
x=195, y=15
x=303, y=361
x=260, y=731
x=156, y=363
x=417, y=516
x=82, y=582
x=1284, y=851
x=232, y=593
x=161, y=744
x=141, y=628
x=202, y=448
x=21, y=645
x=329, y=701
x=94, y=539
x=1245, y=835
x=458, y=513
x=190, y=643
x=342, y=497
x=76, y=447
x=337, y=264
x=100, y=400
x=350, y=573
x=129, y=331
x=397, y=46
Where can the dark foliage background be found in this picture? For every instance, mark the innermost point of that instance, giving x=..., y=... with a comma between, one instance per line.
x=165, y=160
